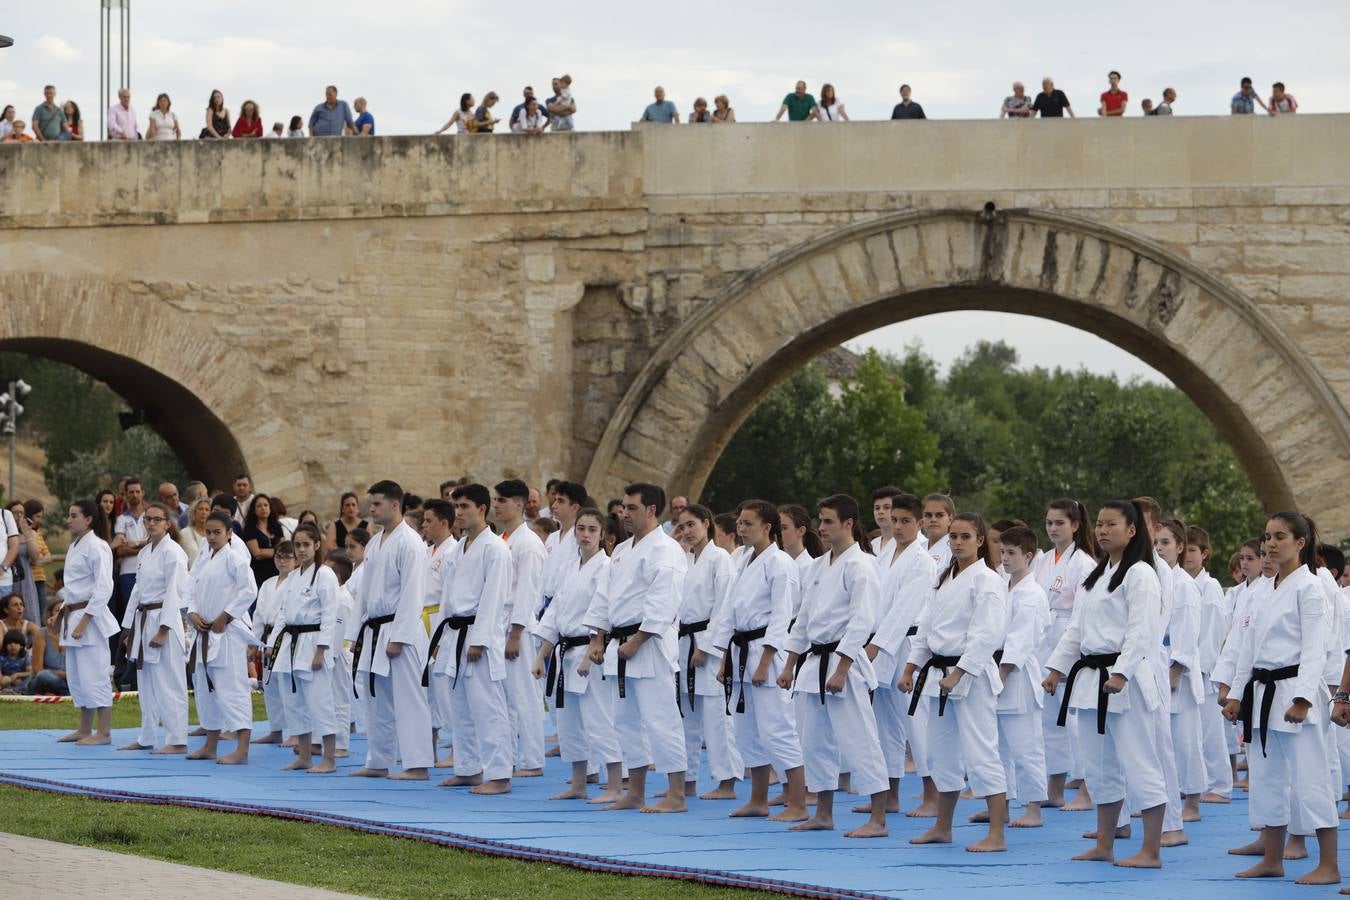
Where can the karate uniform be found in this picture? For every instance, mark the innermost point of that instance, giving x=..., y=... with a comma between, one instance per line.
x=1021, y=742
x=1160, y=657
x=1225, y=670
x=264, y=627
x=1123, y=763
x=1214, y=622
x=838, y=611
x=1182, y=643
x=161, y=579
x=1289, y=774
x=88, y=581
x=1062, y=577
x=439, y=566
x=562, y=550
x=391, y=609
x=706, y=586
x=1337, y=644
x=220, y=582
x=585, y=716
x=359, y=691
x=478, y=707
x=342, y=668
x=643, y=593
x=524, y=695
x=906, y=585
x=762, y=595
x=964, y=621
x=309, y=598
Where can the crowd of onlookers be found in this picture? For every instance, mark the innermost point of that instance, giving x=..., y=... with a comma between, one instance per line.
x=53, y=121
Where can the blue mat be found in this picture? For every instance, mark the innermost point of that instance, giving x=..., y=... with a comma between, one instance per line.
x=702, y=845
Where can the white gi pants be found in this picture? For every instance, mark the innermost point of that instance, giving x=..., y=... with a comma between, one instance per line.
x=766, y=732
x=308, y=699
x=841, y=731
x=400, y=720
x=1167, y=762
x=1289, y=784
x=481, y=723
x=916, y=732
x=1188, y=745
x=229, y=707
x=1022, y=747
x=1218, y=768
x=87, y=675
x=525, y=699
x=586, y=725
x=649, y=724
x=890, y=707
x=276, y=710
x=1124, y=763
x=968, y=733
x=438, y=696
x=708, y=721
x=1342, y=750
x=163, y=694
x=1061, y=744
x=342, y=698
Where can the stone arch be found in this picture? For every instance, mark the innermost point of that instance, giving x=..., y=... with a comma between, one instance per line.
x=188, y=382
x=1286, y=425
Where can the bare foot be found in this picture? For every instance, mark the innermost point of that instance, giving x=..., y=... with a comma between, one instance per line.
x=1322, y=875
x=270, y=738
x=295, y=764
x=289, y=742
x=323, y=768
x=1211, y=797
x=1174, y=839
x=237, y=758
x=749, y=811
x=691, y=789
x=1096, y=854
x=1295, y=851
x=135, y=745
x=527, y=773
x=627, y=801
x=980, y=817
x=497, y=786
x=1028, y=819
x=462, y=781
x=866, y=808
x=1077, y=804
x=719, y=793
x=198, y=732
x=923, y=811
x=555, y=750
x=169, y=750
x=668, y=804
x=1190, y=816
x=446, y=762
x=779, y=799
x=869, y=830
x=73, y=737
x=1345, y=813
x=790, y=814
x=815, y=823
x=1242, y=785
x=607, y=797
x=410, y=775
x=93, y=740
x=202, y=753
x=364, y=772
x=1141, y=860
x=989, y=844
x=933, y=836
x=571, y=794
x=1262, y=870
x=341, y=754
x=1255, y=848
x=1122, y=831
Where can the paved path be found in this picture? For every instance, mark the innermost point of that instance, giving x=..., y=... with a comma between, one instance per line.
x=71, y=871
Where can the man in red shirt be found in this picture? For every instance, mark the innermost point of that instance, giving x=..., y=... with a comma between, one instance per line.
x=1113, y=100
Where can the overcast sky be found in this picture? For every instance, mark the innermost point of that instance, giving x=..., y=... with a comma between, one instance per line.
x=413, y=58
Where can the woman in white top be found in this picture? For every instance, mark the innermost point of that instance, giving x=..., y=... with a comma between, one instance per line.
x=193, y=537
x=163, y=122
x=264, y=627
x=1111, y=634
x=1283, y=704
x=6, y=122
x=829, y=108
x=460, y=117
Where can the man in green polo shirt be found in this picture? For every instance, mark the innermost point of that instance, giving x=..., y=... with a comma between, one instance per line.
x=799, y=105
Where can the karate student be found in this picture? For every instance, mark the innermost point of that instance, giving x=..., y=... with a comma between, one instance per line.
x=751, y=630
x=881, y=518
x=87, y=624
x=1214, y=622
x=724, y=533
x=524, y=701
x=637, y=608
x=582, y=702
x=938, y=512
x=1255, y=579
x=1283, y=704
x=468, y=648
x=907, y=579
x=833, y=679
x=342, y=657
x=440, y=516
x=221, y=588
x=1061, y=573
x=1110, y=635
x=153, y=624
x=302, y=654
x=1181, y=654
x=569, y=499
x=265, y=611
x=959, y=631
x=355, y=546
x=698, y=693
x=392, y=642
x=1020, y=739
x=800, y=541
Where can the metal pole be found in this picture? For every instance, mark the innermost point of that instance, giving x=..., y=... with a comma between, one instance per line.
x=12, y=427
x=102, y=71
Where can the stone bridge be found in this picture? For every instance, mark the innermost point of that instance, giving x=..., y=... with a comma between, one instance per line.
x=610, y=306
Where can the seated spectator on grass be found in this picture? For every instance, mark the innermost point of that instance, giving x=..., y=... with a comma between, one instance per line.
x=51, y=677
x=15, y=665
x=662, y=111
x=1282, y=103
x=799, y=105
x=907, y=108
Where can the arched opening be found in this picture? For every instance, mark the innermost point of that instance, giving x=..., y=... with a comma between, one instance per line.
x=1286, y=426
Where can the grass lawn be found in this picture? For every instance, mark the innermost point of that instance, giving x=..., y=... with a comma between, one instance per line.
x=315, y=855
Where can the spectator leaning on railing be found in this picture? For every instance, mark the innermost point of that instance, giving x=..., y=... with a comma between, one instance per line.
x=332, y=117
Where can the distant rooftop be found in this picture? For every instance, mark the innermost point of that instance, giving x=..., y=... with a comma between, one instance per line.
x=840, y=364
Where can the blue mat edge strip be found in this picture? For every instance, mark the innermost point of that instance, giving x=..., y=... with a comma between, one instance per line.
x=450, y=839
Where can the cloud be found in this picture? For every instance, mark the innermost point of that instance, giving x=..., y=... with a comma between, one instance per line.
x=56, y=49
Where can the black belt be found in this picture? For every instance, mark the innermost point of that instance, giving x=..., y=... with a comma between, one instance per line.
x=741, y=639
x=823, y=651
x=267, y=633
x=1268, y=677
x=143, y=611
x=1102, y=662
x=557, y=675
x=913, y=630
x=687, y=629
x=374, y=625
x=454, y=623
x=204, y=638
x=294, y=631
x=998, y=656
x=621, y=635
x=943, y=663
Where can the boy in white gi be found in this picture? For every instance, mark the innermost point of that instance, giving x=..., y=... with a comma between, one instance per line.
x=468, y=648
x=1214, y=622
x=392, y=642
x=302, y=654
x=342, y=657
x=524, y=699
x=637, y=609
x=153, y=624
x=87, y=624
x=834, y=716
x=221, y=588
x=1181, y=653
x=440, y=516
x=265, y=613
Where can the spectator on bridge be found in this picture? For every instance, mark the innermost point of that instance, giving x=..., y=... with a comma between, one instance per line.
x=907, y=108
x=526, y=96
x=365, y=122
x=332, y=117
x=17, y=133
x=799, y=105
x=249, y=124
x=297, y=128
x=531, y=119
x=1281, y=101
x=459, y=117
x=163, y=121
x=278, y=130
x=1113, y=100
x=561, y=107
x=1165, y=107
x=1018, y=105
x=73, y=130
x=483, y=121
x=701, y=114
x=1051, y=102
x=723, y=114
x=217, y=119
x=7, y=121
x=662, y=111
x=1246, y=100
x=48, y=118
x=1146, y=105
x=830, y=108
x=122, y=119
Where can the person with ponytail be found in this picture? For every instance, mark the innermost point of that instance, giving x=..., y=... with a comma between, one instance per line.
x=800, y=541
x=1112, y=684
x=1283, y=704
x=1180, y=655
x=959, y=631
x=221, y=588
x=1061, y=573
x=832, y=675
x=302, y=654
x=751, y=631
x=87, y=624
x=1214, y=622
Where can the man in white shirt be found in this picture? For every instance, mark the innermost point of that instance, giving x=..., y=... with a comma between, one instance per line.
x=129, y=536
x=523, y=693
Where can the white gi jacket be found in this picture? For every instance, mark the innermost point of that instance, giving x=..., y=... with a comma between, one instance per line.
x=1182, y=640
x=309, y=597
x=439, y=564
x=839, y=603
x=1214, y=622
x=562, y=551
x=161, y=577
x=644, y=588
x=1225, y=670
x=966, y=617
x=1062, y=578
x=221, y=582
x=479, y=588
x=1028, y=623
x=1288, y=627
x=906, y=585
x=706, y=587
x=763, y=593
x=266, y=609
x=392, y=583
x=1336, y=640
x=89, y=579
x=566, y=614
x=527, y=569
